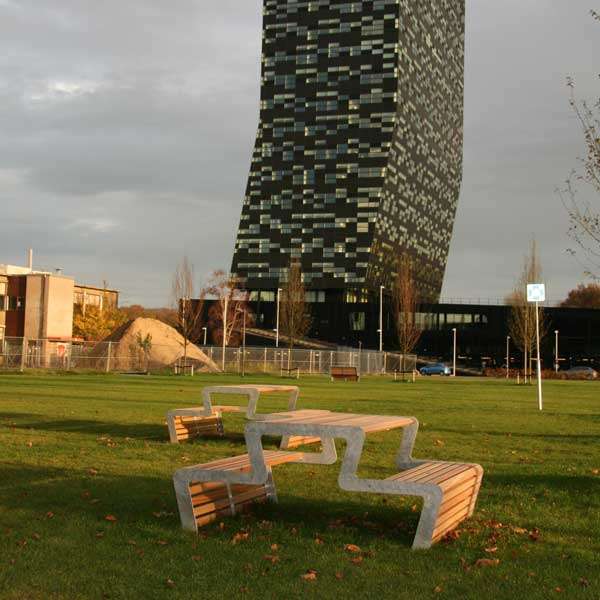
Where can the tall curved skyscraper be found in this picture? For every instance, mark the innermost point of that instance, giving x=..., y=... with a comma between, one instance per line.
x=358, y=156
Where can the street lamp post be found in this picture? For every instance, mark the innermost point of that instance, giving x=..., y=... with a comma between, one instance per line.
x=243, y=311
x=454, y=352
x=381, y=288
x=225, y=329
x=556, y=361
x=277, y=319
x=205, y=332
x=507, y=356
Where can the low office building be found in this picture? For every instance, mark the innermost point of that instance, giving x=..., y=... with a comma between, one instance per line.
x=40, y=305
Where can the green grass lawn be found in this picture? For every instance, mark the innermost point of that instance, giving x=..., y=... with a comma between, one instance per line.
x=78, y=448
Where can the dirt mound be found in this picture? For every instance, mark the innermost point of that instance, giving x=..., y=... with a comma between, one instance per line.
x=164, y=347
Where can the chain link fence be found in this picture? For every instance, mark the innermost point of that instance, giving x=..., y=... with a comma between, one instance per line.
x=284, y=361
x=19, y=354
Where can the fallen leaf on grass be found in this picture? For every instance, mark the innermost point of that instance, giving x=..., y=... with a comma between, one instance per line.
x=111, y=518
x=92, y=472
x=558, y=589
x=534, y=535
x=162, y=543
x=491, y=550
x=274, y=547
x=196, y=558
x=319, y=541
x=487, y=562
x=438, y=589
x=339, y=575
x=451, y=536
x=49, y=515
x=170, y=583
x=519, y=530
x=357, y=560
x=100, y=534
x=595, y=471
x=310, y=575
x=271, y=558
x=352, y=548
x=583, y=582
x=438, y=443
x=36, y=536
x=240, y=536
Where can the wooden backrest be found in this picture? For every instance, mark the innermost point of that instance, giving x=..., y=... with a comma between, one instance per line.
x=342, y=371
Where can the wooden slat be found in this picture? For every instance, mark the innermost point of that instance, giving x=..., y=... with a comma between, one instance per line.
x=447, y=525
x=468, y=485
x=462, y=500
x=295, y=441
x=218, y=505
x=423, y=473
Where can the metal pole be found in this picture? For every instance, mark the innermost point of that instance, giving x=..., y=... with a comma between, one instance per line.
x=381, y=288
x=225, y=329
x=454, y=353
x=277, y=319
x=244, y=346
x=205, y=330
x=539, y=359
x=359, y=358
x=108, y=357
x=507, y=356
x=556, y=363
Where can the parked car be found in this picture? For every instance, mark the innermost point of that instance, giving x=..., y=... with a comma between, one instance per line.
x=436, y=369
x=581, y=373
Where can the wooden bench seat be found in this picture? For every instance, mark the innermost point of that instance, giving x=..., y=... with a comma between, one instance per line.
x=201, y=502
x=187, y=423
x=450, y=493
x=345, y=373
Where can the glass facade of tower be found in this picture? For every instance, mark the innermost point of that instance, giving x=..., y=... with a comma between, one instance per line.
x=358, y=155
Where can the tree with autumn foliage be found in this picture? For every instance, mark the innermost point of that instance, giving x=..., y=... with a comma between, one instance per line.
x=294, y=319
x=583, y=296
x=406, y=302
x=226, y=312
x=95, y=323
x=522, y=319
x=581, y=194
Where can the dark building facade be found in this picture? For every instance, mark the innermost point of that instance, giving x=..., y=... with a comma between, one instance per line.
x=358, y=155
x=482, y=330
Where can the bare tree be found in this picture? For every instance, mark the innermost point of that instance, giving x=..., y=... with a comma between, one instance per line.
x=584, y=213
x=226, y=314
x=521, y=322
x=294, y=316
x=406, y=302
x=188, y=310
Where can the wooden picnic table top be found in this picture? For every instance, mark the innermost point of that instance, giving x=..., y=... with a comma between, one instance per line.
x=334, y=421
x=246, y=387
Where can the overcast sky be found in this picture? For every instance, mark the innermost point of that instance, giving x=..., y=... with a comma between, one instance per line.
x=126, y=130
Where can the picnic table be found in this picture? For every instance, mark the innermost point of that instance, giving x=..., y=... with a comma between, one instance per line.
x=187, y=423
x=449, y=490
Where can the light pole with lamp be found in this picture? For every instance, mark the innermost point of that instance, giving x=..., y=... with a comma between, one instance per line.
x=454, y=352
x=381, y=288
x=556, y=361
x=243, y=311
x=279, y=290
x=507, y=356
x=225, y=329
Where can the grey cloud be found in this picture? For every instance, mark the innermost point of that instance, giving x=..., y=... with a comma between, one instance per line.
x=148, y=158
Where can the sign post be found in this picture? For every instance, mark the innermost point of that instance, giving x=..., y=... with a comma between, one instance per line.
x=536, y=293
